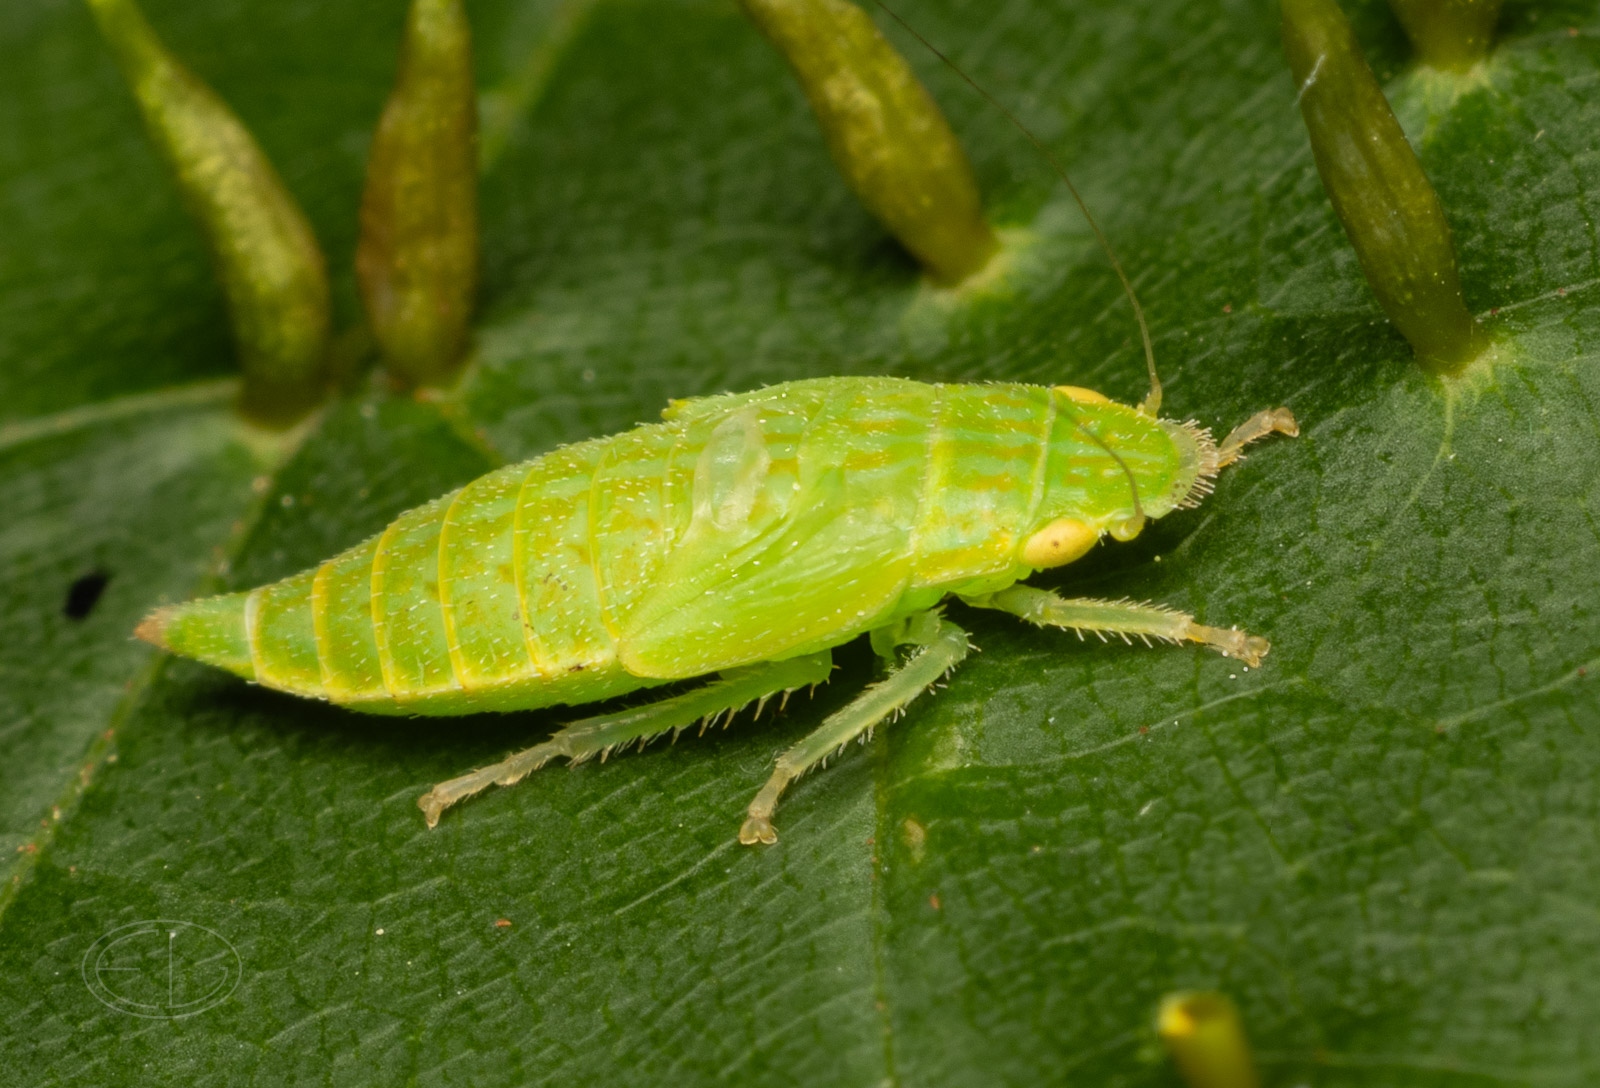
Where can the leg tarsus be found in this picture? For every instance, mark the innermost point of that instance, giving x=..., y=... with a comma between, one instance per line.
x=1258, y=426
x=604, y=733
x=757, y=826
x=507, y=772
x=941, y=646
x=1230, y=643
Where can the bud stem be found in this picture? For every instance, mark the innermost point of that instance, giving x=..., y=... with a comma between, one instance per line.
x=272, y=271
x=417, y=260
x=1389, y=210
x=885, y=133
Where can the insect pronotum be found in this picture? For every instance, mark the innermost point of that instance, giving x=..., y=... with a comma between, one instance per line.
x=739, y=540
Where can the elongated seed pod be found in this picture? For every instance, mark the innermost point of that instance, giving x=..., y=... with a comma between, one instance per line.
x=885, y=133
x=417, y=259
x=1449, y=34
x=744, y=528
x=273, y=274
x=1389, y=210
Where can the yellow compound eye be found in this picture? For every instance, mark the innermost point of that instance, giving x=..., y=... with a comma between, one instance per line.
x=1058, y=543
x=1081, y=395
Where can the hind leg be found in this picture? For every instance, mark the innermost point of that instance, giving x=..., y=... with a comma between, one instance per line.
x=599, y=735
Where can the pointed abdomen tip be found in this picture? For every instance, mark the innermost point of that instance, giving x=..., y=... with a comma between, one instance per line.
x=153, y=628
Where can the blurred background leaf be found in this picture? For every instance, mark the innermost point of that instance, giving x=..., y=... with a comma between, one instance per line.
x=1383, y=845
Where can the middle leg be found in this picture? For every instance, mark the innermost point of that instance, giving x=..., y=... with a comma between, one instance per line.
x=941, y=647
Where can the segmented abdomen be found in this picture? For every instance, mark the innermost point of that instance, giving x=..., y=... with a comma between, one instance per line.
x=484, y=591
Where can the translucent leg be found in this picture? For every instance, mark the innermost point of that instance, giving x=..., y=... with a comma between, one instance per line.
x=942, y=646
x=1124, y=618
x=598, y=736
x=1270, y=421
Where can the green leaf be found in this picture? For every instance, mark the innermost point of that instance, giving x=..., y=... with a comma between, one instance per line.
x=1382, y=845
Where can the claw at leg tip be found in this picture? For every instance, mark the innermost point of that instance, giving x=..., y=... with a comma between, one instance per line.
x=1258, y=647
x=758, y=829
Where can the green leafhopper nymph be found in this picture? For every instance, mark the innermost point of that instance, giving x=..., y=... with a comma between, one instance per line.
x=742, y=538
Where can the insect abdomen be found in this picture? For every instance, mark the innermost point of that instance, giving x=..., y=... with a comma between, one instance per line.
x=483, y=599
x=488, y=599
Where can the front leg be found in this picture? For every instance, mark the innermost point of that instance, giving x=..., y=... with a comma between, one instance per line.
x=1257, y=427
x=1125, y=618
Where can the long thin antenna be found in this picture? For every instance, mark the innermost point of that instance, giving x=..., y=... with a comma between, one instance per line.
x=1133, y=483
x=1152, y=402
